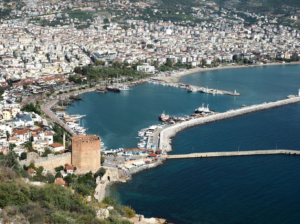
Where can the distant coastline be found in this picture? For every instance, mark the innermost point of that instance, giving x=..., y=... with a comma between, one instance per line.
x=176, y=78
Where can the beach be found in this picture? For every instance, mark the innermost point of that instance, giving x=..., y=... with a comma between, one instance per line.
x=176, y=78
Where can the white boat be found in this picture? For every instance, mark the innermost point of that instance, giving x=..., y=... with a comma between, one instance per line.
x=202, y=110
x=123, y=87
x=71, y=124
x=77, y=116
x=141, y=133
x=149, y=133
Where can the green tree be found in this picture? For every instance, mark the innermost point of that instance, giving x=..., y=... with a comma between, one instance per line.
x=39, y=170
x=50, y=178
x=46, y=152
x=23, y=155
x=58, y=175
x=102, y=159
x=203, y=62
x=7, y=135
x=1, y=90
x=101, y=172
x=31, y=108
x=169, y=62
x=68, y=178
x=12, y=146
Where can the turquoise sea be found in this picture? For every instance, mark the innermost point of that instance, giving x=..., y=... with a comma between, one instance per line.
x=255, y=189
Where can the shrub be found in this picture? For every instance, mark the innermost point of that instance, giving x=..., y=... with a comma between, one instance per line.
x=89, y=219
x=91, y=184
x=130, y=213
x=59, y=168
x=50, y=178
x=10, y=195
x=34, y=213
x=107, y=200
x=46, y=153
x=55, y=218
x=102, y=159
x=82, y=189
x=126, y=222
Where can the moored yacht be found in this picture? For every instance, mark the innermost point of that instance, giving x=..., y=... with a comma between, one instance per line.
x=113, y=88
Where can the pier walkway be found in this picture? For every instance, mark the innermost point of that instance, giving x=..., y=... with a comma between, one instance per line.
x=223, y=91
x=167, y=133
x=234, y=153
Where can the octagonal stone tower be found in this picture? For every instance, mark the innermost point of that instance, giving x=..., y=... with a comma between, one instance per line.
x=86, y=154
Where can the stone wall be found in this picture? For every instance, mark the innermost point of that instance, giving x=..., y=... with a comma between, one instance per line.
x=49, y=162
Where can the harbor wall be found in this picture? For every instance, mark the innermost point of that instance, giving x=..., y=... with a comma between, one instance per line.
x=234, y=153
x=169, y=132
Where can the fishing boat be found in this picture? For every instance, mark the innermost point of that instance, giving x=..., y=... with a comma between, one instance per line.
x=163, y=117
x=64, y=102
x=202, y=110
x=73, y=97
x=58, y=108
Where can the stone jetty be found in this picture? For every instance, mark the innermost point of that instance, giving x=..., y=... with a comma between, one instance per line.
x=199, y=88
x=167, y=133
x=234, y=153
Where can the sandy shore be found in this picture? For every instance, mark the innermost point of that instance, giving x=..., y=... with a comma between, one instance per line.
x=176, y=78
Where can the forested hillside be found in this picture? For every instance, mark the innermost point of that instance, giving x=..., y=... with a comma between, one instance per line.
x=262, y=6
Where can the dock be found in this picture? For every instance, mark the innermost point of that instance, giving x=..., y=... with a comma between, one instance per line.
x=234, y=153
x=223, y=91
x=167, y=133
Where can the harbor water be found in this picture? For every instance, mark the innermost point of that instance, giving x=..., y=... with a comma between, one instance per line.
x=255, y=189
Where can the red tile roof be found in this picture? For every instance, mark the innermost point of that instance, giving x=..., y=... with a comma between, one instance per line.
x=56, y=145
x=60, y=181
x=69, y=167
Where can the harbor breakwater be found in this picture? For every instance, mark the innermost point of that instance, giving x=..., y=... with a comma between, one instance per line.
x=234, y=153
x=167, y=133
